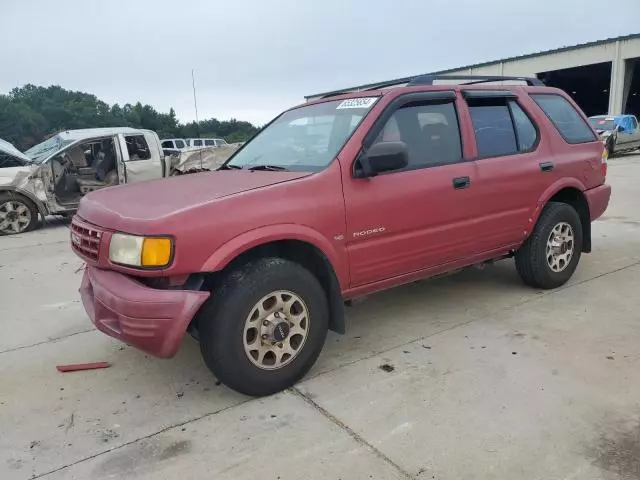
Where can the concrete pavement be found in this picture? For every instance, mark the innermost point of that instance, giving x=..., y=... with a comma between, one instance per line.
x=472, y=376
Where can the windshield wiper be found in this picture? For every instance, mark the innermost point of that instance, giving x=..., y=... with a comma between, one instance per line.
x=269, y=168
x=230, y=167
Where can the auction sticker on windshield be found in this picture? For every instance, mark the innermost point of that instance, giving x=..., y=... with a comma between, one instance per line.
x=365, y=102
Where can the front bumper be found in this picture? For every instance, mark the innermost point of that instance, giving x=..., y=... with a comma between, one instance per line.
x=598, y=200
x=152, y=320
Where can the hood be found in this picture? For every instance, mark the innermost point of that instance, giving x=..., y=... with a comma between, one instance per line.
x=6, y=147
x=136, y=207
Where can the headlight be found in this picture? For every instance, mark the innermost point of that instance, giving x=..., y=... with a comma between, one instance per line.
x=137, y=251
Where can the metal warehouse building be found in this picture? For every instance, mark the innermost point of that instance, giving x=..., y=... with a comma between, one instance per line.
x=602, y=77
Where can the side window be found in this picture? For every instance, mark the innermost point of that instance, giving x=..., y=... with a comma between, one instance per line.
x=167, y=144
x=634, y=123
x=210, y=143
x=563, y=115
x=525, y=130
x=179, y=144
x=197, y=143
x=137, y=148
x=430, y=131
x=495, y=134
x=501, y=127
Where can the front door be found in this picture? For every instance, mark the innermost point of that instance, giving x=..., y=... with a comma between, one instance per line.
x=141, y=158
x=408, y=220
x=628, y=134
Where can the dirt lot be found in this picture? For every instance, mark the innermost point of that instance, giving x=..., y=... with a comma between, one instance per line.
x=473, y=376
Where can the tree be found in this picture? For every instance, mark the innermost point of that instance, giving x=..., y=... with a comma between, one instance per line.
x=31, y=113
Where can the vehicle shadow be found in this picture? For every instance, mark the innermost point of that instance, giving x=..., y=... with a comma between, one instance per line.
x=53, y=222
x=380, y=322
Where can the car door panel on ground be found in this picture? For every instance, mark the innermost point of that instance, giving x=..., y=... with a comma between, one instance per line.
x=409, y=220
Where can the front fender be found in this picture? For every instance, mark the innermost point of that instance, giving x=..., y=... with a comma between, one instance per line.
x=41, y=206
x=272, y=233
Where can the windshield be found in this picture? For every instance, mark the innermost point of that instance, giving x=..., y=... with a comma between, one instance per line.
x=305, y=139
x=43, y=150
x=602, y=123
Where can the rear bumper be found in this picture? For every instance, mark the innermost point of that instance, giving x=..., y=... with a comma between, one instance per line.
x=152, y=320
x=598, y=199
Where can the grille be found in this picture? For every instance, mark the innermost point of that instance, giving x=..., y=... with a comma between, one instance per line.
x=85, y=240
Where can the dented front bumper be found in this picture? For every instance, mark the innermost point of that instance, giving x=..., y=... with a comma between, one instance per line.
x=149, y=319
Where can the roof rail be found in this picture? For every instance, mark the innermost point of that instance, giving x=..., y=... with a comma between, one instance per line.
x=472, y=79
x=428, y=79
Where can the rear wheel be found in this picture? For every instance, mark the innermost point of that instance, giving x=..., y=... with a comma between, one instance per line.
x=551, y=254
x=18, y=214
x=264, y=326
x=610, y=147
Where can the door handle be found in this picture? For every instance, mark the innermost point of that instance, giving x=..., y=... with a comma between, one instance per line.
x=546, y=166
x=461, y=182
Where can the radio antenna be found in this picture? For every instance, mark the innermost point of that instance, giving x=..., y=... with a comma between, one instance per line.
x=195, y=105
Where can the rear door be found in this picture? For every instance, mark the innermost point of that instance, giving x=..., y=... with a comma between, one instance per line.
x=412, y=219
x=141, y=157
x=513, y=168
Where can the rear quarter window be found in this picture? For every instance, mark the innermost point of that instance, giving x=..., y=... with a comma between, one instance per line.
x=566, y=119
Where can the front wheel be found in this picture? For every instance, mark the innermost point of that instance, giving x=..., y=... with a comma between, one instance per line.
x=551, y=254
x=264, y=326
x=18, y=214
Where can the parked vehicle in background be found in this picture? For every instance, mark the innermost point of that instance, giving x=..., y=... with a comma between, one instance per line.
x=14, y=214
x=338, y=198
x=51, y=177
x=619, y=133
x=178, y=144
x=207, y=142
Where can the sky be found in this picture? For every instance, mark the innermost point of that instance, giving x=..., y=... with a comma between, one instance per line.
x=254, y=58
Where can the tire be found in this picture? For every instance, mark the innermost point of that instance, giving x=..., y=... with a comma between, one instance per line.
x=18, y=214
x=227, y=334
x=611, y=145
x=532, y=261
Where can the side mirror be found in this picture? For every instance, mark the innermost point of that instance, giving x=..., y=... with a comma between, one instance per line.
x=383, y=157
x=620, y=128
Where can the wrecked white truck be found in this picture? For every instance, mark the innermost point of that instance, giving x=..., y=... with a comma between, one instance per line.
x=51, y=177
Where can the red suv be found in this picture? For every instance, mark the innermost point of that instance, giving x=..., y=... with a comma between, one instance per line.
x=335, y=199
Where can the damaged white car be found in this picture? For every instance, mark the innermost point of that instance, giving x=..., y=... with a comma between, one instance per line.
x=51, y=177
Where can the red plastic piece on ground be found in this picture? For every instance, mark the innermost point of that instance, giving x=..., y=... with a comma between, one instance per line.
x=82, y=366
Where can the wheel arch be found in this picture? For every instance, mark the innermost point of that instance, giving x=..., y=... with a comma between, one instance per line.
x=303, y=249
x=42, y=208
x=570, y=192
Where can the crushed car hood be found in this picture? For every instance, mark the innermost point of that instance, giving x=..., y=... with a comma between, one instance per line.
x=136, y=207
x=6, y=147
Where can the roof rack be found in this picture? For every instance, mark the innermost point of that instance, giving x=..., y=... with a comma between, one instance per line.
x=473, y=79
x=429, y=79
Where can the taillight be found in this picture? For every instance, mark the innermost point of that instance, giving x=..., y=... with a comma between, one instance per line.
x=603, y=161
